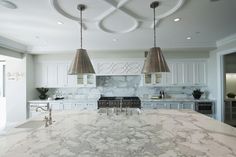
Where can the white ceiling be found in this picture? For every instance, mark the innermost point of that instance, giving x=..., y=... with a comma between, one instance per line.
x=117, y=24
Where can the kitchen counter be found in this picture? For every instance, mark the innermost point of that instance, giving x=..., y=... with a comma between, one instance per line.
x=62, y=100
x=152, y=133
x=178, y=100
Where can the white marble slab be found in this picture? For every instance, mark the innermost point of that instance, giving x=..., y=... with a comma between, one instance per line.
x=151, y=133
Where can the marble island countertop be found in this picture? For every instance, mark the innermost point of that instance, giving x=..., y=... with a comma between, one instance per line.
x=151, y=133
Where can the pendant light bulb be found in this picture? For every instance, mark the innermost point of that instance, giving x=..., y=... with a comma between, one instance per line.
x=155, y=61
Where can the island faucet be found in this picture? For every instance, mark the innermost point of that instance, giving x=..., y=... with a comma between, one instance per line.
x=48, y=120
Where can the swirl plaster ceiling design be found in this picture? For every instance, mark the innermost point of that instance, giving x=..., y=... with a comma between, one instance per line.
x=117, y=16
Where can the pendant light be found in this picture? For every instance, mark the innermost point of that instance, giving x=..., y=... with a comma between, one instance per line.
x=155, y=61
x=81, y=63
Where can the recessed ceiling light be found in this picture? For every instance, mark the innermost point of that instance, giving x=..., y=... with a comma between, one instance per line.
x=8, y=4
x=177, y=19
x=115, y=40
x=59, y=22
x=188, y=38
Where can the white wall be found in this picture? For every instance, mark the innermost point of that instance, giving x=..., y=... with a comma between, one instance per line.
x=15, y=90
x=216, y=72
x=31, y=92
x=19, y=87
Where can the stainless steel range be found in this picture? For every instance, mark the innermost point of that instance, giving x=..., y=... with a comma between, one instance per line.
x=121, y=102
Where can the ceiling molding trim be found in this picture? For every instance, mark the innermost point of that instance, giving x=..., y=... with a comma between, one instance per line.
x=115, y=7
x=226, y=40
x=12, y=45
x=56, y=6
x=173, y=10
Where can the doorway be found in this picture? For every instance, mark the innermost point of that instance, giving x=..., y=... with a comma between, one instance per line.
x=2, y=95
x=229, y=105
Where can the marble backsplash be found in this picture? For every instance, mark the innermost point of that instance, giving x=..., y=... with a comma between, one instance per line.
x=124, y=86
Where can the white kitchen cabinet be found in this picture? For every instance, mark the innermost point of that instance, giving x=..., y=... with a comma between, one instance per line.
x=187, y=105
x=173, y=105
x=178, y=73
x=153, y=79
x=62, y=78
x=200, y=73
x=52, y=75
x=57, y=106
x=189, y=73
x=88, y=80
x=40, y=75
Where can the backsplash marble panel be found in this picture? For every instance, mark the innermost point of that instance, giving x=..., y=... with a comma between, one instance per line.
x=124, y=86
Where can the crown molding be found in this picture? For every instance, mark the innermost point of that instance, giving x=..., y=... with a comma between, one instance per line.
x=12, y=45
x=226, y=40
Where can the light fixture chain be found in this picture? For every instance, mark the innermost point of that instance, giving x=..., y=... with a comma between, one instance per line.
x=154, y=26
x=81, y=28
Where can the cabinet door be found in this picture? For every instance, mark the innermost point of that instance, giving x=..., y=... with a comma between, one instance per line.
x=188, y=73
x=188, y=106
x=62, y=75
x=159, y=105
x=56, y=106
x=200, y=73
x=41, y=75
x=90, y=80
x=147, y=79
x=80, y=80
x=169, y=76
x=178, y=71
x=174, y=106
x=71, y=79
x=52, y=74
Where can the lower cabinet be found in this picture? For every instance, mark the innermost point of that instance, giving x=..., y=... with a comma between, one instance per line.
x=80, y=105
x=167, y=105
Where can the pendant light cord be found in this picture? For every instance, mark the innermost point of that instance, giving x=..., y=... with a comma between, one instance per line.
x=154, y=26
x=81, y=28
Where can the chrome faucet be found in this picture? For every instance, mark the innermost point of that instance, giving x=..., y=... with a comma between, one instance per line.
x=48, y=120
x=50, y=116
x=39, y=107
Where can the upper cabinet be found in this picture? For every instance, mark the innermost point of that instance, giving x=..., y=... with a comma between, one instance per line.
x=182, y=73
x=54, y=75
x=124, y=67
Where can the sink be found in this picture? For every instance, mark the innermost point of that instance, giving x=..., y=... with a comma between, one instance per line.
x=33, y=124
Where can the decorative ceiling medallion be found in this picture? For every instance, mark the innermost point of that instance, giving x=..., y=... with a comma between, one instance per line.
x=117, y=17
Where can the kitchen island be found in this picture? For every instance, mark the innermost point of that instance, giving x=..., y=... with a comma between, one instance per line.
x=149, y=133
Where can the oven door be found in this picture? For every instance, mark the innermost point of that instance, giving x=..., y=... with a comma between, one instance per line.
x=204, y=107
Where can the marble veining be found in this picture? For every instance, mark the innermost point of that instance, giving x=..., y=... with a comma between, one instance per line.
x=151, y=133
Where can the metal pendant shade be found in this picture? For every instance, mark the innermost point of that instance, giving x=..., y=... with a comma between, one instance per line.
x=81, y=63
x=155, y=61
